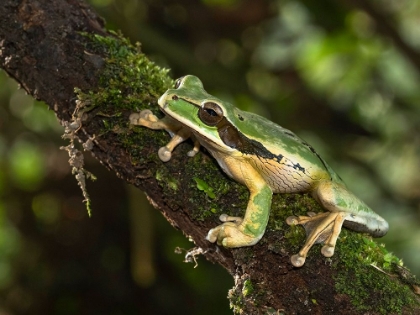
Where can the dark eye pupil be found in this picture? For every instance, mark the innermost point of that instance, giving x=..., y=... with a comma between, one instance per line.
x=178, y=82
x=211, y=112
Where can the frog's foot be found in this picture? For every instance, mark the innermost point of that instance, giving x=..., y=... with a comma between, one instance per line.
x=144, y=118
x=322, y=227
x=179, y=134
x=196, y=148
x=227, y=218
x=231, y=233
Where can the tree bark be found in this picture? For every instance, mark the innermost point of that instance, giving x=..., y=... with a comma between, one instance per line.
x=43, y=48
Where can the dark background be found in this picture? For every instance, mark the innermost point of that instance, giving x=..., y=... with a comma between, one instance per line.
x=343, y=75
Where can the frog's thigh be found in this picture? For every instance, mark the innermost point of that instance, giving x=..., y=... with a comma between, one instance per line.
x=246, y=232
x=337, y=198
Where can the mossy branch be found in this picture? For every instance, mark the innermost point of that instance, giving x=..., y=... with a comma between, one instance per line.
x=112, y=79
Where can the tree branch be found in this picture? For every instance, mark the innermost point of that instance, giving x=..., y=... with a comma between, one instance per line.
x=53, y=47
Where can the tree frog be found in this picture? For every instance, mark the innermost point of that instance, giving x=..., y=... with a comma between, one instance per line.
x=267, y=159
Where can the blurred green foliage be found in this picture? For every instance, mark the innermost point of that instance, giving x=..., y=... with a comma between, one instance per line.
x=343, y=77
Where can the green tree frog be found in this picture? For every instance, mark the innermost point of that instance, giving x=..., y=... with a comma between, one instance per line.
x=267, y=159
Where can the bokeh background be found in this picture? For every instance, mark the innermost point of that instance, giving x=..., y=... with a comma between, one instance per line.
x=343, y=74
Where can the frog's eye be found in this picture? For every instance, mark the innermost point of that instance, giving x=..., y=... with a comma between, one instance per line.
x=210, y=113
x=178, y=82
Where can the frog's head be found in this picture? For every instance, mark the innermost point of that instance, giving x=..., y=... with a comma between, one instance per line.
x=206, y=115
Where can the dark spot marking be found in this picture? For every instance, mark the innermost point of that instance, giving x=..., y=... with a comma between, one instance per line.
x=290, y=134
x=297, y=166
x=279, y=157
x=233, y=138
x=240, y=117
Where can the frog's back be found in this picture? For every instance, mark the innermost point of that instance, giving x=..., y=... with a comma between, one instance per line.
x=288, y=163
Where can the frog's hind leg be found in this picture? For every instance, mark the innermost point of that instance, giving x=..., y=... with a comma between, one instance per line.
x=344, y=209
x=323, y=227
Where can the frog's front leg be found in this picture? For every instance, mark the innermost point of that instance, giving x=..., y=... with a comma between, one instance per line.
x=238, y=232
x=179, y=133
x=344, y=208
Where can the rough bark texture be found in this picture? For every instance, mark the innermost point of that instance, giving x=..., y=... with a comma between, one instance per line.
x=41, y=47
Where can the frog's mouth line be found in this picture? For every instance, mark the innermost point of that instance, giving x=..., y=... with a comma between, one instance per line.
x=231, y=137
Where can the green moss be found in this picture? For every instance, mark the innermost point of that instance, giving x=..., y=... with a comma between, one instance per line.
x=247, y=288
x=164, y=177
x=237, y=303
x=129, y=79
x=208, y=189
x=374, y=285
x=285, y=205
x=246, y=295
x=203, y=186
x=295, y=236
x=129, y=82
